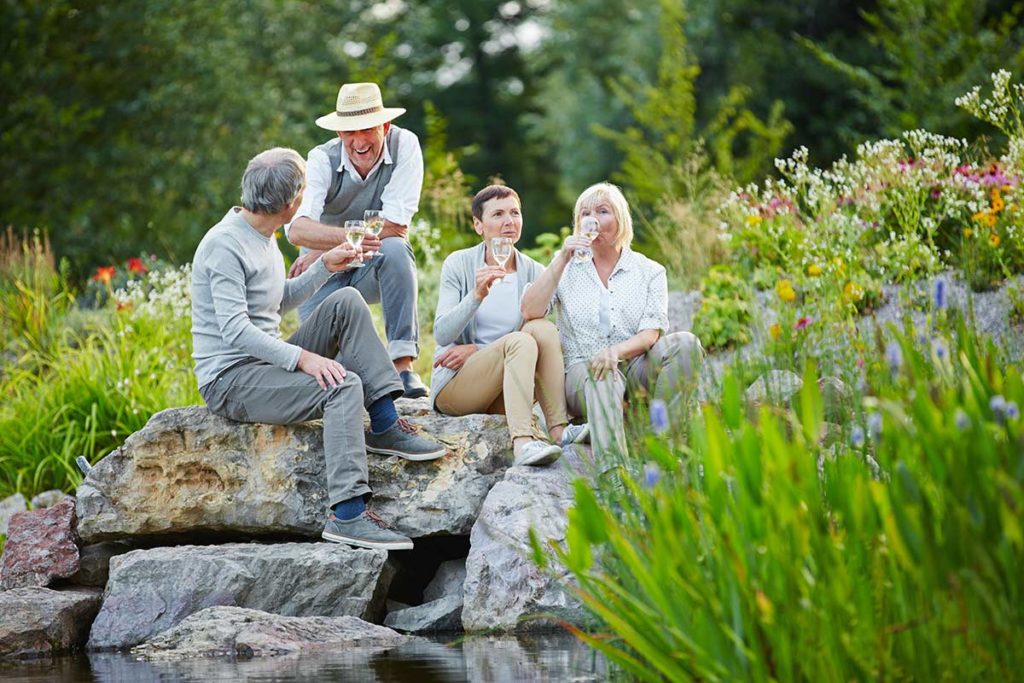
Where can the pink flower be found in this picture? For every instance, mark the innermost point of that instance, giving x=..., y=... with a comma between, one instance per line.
x=803, y=322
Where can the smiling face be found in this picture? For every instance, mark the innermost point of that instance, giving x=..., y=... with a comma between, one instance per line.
x=501, y=217
x=364, y=146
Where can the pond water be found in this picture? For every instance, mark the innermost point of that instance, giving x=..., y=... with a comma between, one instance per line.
x=546, y=657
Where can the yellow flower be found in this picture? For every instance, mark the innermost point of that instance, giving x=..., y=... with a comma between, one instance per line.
x=968, y=232
x=765, y=607
x=814, y=270
x=775, y=330
x=840, y=266
x=980, y=216
x=990, y=219
x=998, y=204
x=994, y=240
x=753, y=219
x=784, y=288
x=853, y=292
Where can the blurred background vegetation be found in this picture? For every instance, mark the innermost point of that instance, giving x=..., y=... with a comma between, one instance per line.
x=127, y=124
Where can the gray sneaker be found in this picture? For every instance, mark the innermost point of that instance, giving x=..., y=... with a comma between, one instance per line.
x=403, y=440
x=365, y=531
x=575, y=434
x=537, y=454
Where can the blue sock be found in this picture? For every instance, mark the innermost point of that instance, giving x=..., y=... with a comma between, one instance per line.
x=350, y=509
x=382, y=414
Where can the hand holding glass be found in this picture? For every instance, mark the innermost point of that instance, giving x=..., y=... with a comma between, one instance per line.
x=588, y=228
x=501, y=248
x=354, y=233
x=374, y=221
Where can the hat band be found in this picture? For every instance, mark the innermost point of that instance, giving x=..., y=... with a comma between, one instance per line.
x=360, y=112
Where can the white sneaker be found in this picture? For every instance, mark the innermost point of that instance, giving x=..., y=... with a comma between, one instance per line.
x=537, y=453
x=575, y=434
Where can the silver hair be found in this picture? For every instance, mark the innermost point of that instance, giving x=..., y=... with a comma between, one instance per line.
x=272, y=180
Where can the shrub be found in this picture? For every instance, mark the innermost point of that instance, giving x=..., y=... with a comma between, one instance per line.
x=723, y=319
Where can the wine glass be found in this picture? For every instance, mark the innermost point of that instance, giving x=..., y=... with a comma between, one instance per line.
x=374, y=224
x=589, y=228
x=501, y=247
x=354, y=233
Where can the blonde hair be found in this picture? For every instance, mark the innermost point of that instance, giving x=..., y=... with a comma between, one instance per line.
x=598, y=192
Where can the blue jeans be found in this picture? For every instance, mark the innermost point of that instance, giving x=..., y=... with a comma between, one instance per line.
x=390, y=279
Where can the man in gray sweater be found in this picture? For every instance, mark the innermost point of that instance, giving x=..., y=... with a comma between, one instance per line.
x=331, y=368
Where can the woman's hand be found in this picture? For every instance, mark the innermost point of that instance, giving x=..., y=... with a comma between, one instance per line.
x=455, y=357
x=339, y=258
x=485, y=277
x=571, y=244
x=304, y=261
x=604, y=361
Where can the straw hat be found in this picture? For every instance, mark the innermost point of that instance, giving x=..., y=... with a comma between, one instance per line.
x=359, y=106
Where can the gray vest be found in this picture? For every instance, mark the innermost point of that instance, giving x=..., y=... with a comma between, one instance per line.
x=347, y=200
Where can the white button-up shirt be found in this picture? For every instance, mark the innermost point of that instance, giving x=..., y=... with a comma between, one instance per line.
x=401, y=197
x=592, y=317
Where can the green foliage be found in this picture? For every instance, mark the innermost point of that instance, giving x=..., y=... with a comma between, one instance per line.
x=726, y=310
x=547, y=243
x=33, y=295
x=756, y=552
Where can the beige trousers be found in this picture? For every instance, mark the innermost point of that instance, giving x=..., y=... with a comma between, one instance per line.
x=507, y=375
x=669, y=369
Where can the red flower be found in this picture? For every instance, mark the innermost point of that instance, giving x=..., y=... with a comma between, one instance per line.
x=135, y=265
x=105, y=274
x=803, y=322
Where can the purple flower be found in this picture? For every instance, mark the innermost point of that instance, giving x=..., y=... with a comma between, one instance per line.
x=894, y=356
x=857, y=436
x=940, y=293
x=659, y=416
x=652, y=473
x=1012, y=412
x=997, y=404
x=963, y=423
x=875, y=426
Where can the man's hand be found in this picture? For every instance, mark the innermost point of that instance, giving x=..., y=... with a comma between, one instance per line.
x=370, y=245
x=485, y=277
x=455, y=357
x=571, y=244
x=394, y=230
x=304, y=261
x=340, y=257
x=604, y=361
x=326, y=371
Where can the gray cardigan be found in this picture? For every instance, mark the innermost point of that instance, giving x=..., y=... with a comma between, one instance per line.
x=455, y=319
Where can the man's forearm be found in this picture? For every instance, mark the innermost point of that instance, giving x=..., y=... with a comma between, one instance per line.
x=306, y=232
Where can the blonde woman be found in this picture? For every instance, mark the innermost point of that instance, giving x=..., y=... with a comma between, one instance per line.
x=612, y=319
x=487, y=360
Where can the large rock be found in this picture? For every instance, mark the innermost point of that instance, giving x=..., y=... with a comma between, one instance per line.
x=448, y=580
x=236, y=631
x=503, y=586
x=189, y=471
x=775, y=386
x=10, y=506
x=47, y=499
x=150, y=591
x=41, y=547
x=94, y=563
x=38, y=622
x=443, y=614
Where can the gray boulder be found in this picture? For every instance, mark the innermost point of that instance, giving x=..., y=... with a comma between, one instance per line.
x=448, y=580
x=503, y=586
x=776, y=387
x=443, y=614
x=10, y=506
x=47, y=499
x=189, y=471
x=94, y=563
x=39, y=622
x=150, y=591
x=236, y=631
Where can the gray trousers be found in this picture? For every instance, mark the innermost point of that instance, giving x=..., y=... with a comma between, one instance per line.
x=668, y=370
x=256, y=391
x=388, y=278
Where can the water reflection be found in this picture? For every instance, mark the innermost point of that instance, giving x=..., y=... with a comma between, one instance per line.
x=548, y=657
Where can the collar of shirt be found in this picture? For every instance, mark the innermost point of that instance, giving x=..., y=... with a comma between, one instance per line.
x=347, y=165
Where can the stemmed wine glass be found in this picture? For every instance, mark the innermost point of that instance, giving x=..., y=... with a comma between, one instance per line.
x=501, y=247
x=589, y=228
x=354, y=233
x=374, y=221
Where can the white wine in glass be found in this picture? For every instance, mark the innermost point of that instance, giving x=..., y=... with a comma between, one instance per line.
x=354, y=233
x=588, y=228
x=501, y=247
x=374, y=221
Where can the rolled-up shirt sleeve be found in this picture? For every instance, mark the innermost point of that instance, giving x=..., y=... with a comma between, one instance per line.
x=227, y=287
x=655, y=315
x=318, y=181
x=401, y=198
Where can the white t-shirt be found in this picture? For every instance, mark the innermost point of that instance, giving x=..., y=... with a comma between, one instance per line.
x=498, y=313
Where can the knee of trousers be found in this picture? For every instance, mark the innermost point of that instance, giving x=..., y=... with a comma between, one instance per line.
x=543, y=330
x=351, y=384
x=681, y=344
x=396, y=249
x=346, y=299
x=518, y=344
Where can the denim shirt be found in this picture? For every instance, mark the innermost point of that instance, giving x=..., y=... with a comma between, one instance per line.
x=455, y=319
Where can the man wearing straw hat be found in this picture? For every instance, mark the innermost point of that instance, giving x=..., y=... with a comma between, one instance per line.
x=371, y=165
